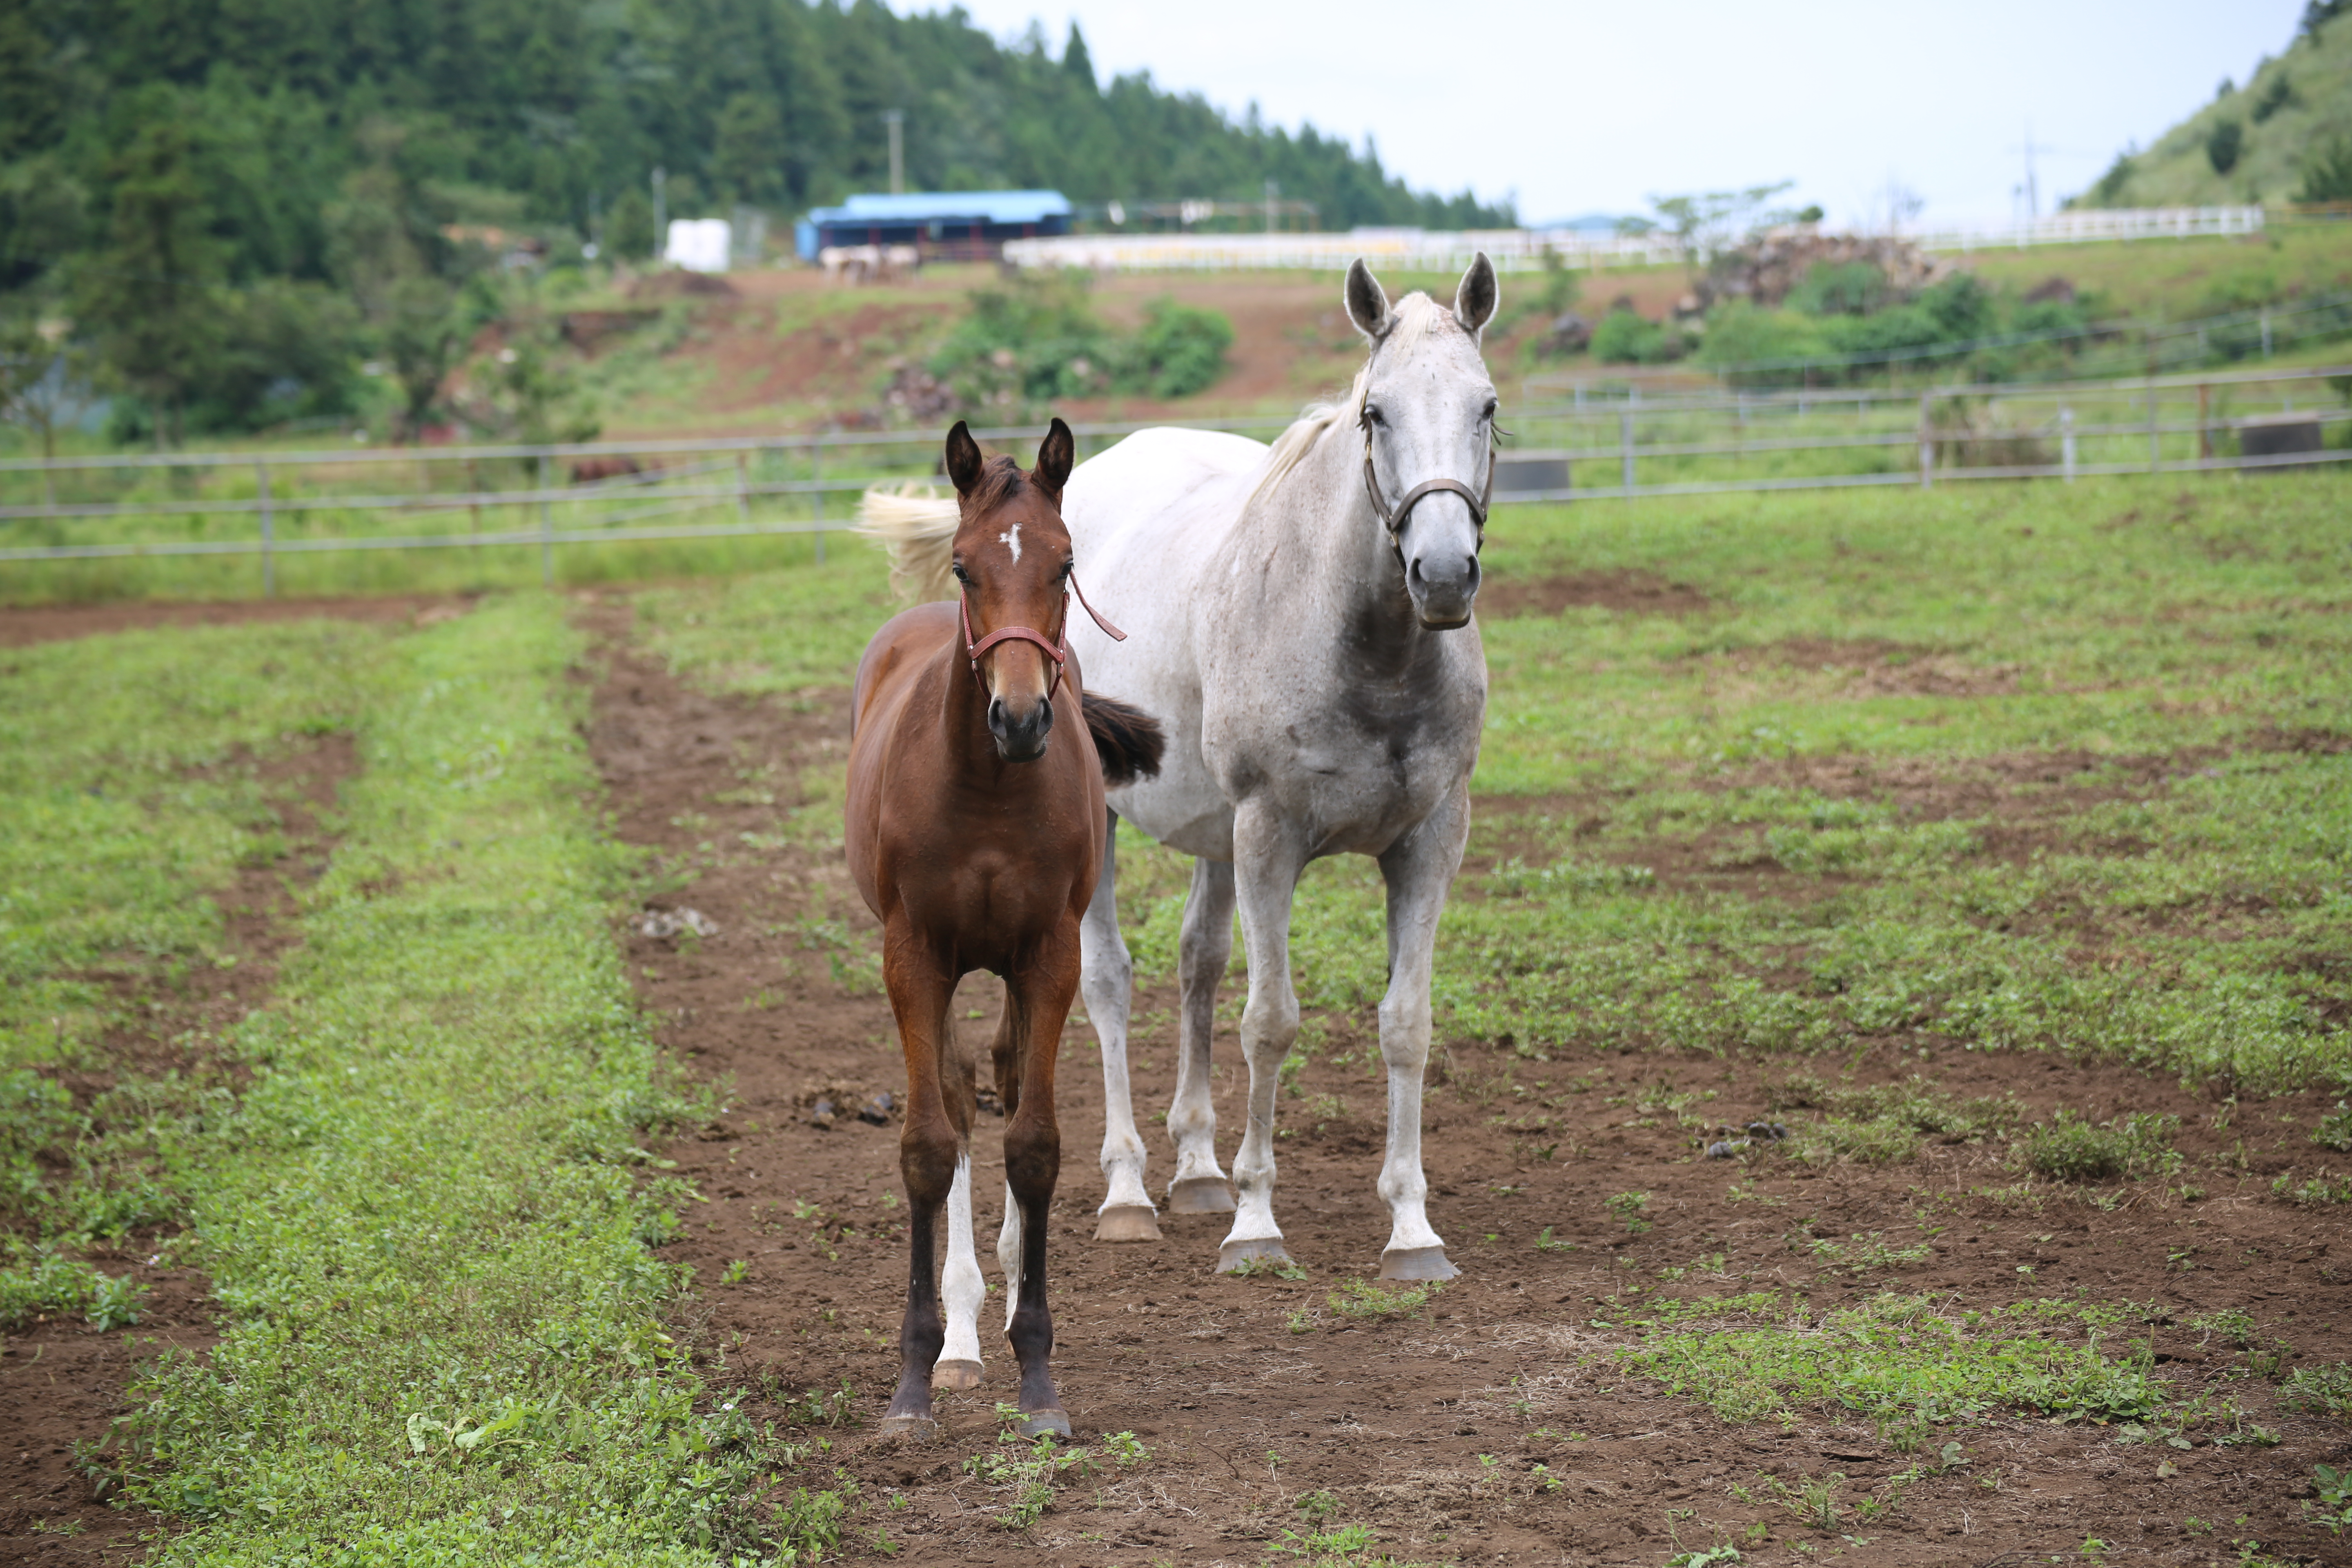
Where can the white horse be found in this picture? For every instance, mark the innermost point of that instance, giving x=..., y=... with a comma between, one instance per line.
x=1298, y=619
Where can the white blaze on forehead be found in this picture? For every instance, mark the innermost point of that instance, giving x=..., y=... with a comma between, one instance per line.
x=1013, y=540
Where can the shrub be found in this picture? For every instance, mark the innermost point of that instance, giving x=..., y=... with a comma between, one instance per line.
x=2223, y=145
x=1840, y=288
x=1624, y=338
x=2327, y=173
x=1181, y=349
x=2072, y=1150
x=1739, y=334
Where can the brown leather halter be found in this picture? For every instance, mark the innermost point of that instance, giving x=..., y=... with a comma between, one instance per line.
x=1058, y=652
x=1394, y=519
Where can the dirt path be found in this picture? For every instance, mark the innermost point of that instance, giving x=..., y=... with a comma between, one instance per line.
x=63, y=1382
x=1268, y=1415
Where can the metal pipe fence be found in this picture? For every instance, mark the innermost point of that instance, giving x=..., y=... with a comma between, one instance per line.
x=1651, y=443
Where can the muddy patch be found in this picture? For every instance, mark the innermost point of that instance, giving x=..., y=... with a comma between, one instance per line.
x=1631, y=591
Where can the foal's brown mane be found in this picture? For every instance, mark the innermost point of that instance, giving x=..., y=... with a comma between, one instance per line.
x=1000, y=480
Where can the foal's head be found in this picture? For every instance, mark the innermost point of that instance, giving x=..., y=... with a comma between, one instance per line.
x=1012, y=566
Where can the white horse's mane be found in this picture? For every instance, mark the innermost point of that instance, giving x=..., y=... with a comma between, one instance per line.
x=917, y=526
x=1416, y=316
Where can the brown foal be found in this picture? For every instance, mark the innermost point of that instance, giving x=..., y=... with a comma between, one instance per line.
x=975, y=831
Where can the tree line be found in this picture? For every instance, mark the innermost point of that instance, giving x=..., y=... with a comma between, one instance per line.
x=226, y=199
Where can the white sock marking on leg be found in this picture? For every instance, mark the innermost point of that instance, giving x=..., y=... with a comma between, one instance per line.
x=960, y=1285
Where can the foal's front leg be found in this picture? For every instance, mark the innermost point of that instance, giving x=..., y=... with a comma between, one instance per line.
x=930, y=1153
x=1038, y=1001
x=1419, y=867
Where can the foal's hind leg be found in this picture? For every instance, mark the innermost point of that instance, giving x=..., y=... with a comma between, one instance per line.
x=1108, y=979
x=1202, y=948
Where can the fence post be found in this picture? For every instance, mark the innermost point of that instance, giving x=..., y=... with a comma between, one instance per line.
x=816, y=476
x=743, y=485
x=1926, y=444
x=546, y=530
x=474, y=488
x=2153, y=435
x=2066, y=441
x=2266, y=332
x=2204, y=428
x=268, y=532
x=1625, y=444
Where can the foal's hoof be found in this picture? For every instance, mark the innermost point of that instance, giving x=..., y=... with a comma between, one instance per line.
x=1200, y=1194
x=956, y=1374
x=1044, y=1423
x=1127, y=1221
x=908, y=1428
x=1416, y=1263
x=1233, y=1254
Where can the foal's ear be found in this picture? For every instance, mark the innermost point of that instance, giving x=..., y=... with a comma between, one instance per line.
x=963, y=459
x=1368, y=307
x=1474, y=300
x=1056, y=454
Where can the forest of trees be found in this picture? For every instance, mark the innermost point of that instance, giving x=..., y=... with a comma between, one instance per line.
x=260, y=186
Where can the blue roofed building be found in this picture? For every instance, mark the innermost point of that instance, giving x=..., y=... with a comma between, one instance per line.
x=959, y=224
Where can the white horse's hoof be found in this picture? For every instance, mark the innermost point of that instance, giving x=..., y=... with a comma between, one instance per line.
x=1127, y=1221
x=908, y=1428
x=1044, y=1423
x=1200, y=1194
x=1416, y=1263
x=1233, y=1254
x=956, y=1374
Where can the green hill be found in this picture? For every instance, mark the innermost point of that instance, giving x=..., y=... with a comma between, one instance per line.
x=2260, y=141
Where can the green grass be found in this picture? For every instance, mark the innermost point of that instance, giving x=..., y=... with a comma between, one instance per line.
x=1891, y=1357
x=2180, y=906
x=424, y=1213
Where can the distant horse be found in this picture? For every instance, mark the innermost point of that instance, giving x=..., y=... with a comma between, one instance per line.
x=1302, y=619
x=977, y=842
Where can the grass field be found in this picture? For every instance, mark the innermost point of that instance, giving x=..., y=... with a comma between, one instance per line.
x=1881, y=802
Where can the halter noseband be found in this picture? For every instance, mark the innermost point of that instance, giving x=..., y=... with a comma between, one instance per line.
x=1058, y=652
x=1393, y=519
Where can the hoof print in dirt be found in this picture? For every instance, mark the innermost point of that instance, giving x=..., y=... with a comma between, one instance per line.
x=1767, y=1132
x=1726, y=1149
x=821, y=1114
x=876, y=1110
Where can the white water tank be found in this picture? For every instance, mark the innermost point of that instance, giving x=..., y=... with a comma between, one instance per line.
x=699, y=244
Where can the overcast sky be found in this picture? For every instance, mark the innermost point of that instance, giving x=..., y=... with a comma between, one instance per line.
x=1582, y=108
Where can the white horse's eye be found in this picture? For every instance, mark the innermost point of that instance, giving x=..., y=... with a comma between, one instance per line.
x=1373, y=413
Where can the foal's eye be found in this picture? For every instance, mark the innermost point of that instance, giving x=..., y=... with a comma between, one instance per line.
x=961, y=575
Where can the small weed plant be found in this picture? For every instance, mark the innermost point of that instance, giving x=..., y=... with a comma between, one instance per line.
x=2071, y=1149
x=1367, y=1302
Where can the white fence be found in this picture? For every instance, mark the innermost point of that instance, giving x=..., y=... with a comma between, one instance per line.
x=1524, y=249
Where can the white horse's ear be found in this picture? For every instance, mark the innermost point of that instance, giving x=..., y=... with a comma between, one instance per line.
x=964, y=461
x=1368, y=306
x=1474, y=300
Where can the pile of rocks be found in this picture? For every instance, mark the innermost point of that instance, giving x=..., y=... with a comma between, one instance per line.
x=1769, y=267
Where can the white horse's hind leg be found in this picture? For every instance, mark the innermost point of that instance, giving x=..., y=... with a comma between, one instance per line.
x=1268, y=864
x=960, y=1288
x=1108, y=979
x=1419, y=869
x=1008, y=1255
x=1202, y=949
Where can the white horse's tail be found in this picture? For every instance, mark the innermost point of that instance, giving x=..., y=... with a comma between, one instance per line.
x=918, y=527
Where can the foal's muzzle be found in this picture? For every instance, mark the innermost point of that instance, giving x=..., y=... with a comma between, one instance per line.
x=1020, y=737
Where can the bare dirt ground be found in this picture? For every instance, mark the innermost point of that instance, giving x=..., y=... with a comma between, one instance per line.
x=62, y=1382
x=1254, y=1396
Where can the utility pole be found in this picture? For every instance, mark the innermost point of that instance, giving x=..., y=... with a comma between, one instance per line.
x=896, y=119
x=1273, y=189
x=661, y=212
x=2032, y=184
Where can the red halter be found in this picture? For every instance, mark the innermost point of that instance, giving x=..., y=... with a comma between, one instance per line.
x=1058, y=652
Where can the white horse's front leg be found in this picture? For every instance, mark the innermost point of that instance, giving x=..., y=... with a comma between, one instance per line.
x=1202, y=949
x=1107, y=977
x=960, y=1288
x=1267, y=867
x=1419, y=869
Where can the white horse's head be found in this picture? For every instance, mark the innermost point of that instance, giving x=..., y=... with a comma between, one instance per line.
x=1427, y=407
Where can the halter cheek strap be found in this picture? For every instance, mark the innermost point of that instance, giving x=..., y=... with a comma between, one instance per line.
x=1059, y=652
x=1394, y=518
